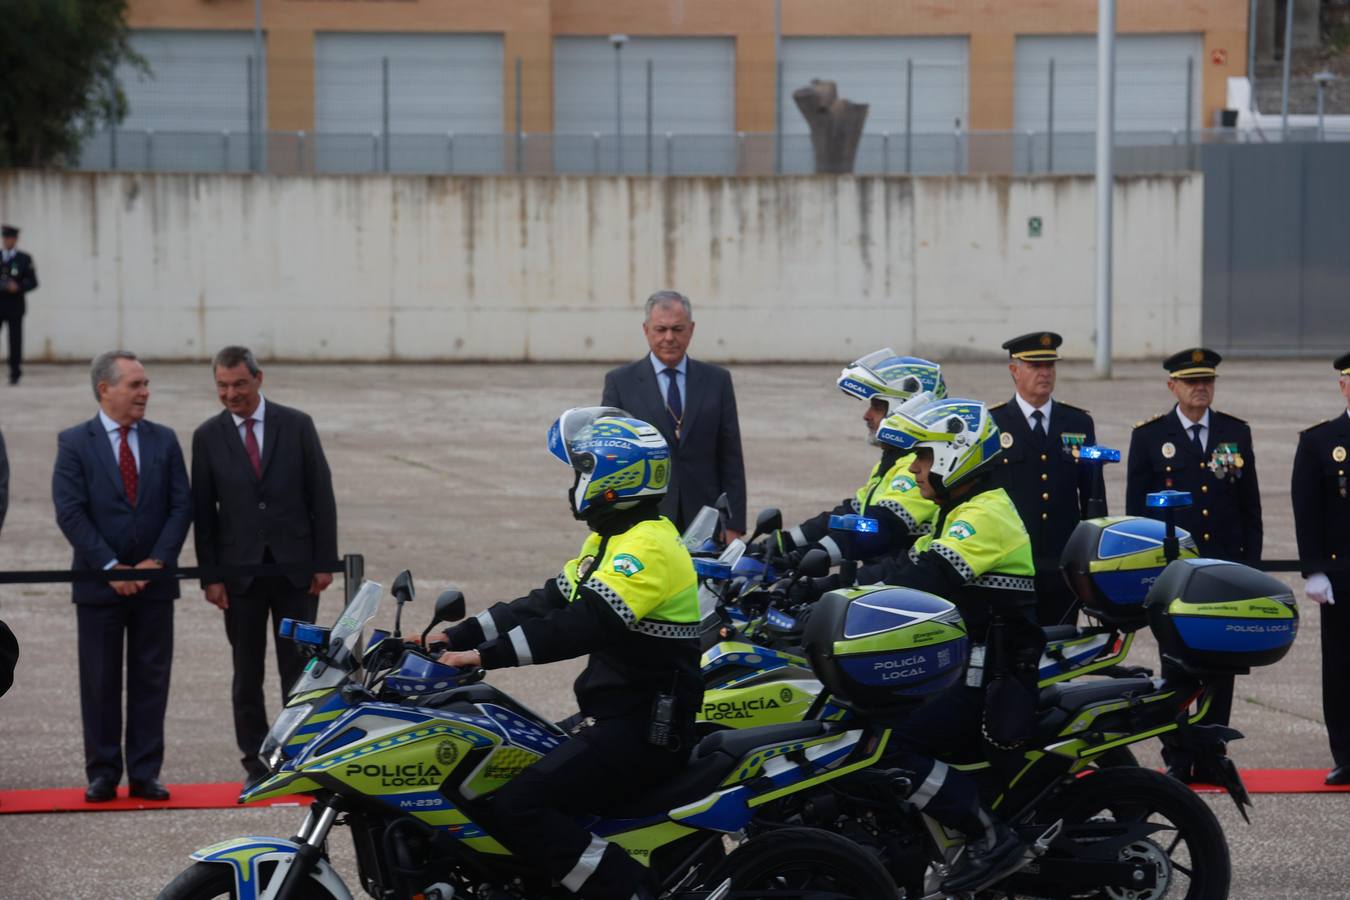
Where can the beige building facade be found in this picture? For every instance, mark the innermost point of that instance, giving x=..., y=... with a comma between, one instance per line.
x=528, y=30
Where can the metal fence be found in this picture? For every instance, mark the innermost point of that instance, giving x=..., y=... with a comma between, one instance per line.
x=952, y=153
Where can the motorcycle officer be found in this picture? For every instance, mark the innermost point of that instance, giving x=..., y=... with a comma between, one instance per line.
x=882, y=380
x=629, y=600
x=978, y=556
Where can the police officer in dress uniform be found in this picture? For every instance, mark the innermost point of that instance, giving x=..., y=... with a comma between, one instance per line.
x=1197, y=449
x=18, y=276
x=1322, y=522
x=1039, y=467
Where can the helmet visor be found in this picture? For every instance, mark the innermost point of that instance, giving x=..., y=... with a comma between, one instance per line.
x=571, y=424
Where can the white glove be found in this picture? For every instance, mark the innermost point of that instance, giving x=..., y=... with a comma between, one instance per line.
x=1319, y=588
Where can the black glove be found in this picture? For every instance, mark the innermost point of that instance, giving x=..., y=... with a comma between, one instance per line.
x=809, y=590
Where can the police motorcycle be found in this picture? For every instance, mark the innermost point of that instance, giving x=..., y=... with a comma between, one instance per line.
x=1111, y=564
x=403, y=751
x=1089, y=830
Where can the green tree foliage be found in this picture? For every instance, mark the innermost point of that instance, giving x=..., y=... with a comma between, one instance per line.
x=58, y=60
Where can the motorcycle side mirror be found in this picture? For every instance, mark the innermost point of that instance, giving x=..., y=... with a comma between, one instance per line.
x=449, y=608
x=770, y=519
x=403, y=593
x=815, y=564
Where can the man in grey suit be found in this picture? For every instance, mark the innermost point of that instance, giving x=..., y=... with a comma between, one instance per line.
x=122, y=500
x=261, y=493
x=694, y=407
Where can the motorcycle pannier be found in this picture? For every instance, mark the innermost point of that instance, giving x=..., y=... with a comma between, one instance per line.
x=1215, y=616
x=877, y=647
x=1112, y=562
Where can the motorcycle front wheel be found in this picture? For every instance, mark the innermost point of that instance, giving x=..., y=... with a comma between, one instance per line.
x=808, y=861
x=1187, y=852
x=214, y=881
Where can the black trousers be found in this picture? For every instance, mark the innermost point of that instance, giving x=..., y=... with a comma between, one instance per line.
x=247, y=627
x=1336, y=677
x=11, y=316
x=146, y=629
x=534, y=814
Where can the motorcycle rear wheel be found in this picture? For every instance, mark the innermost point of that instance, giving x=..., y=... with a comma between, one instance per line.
x=1190, y=853
x=804, y=859
x=214, y=881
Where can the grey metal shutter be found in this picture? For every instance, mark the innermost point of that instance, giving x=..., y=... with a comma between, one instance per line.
x=693, y=99
x=874, y=70
x=444, y=102
x=191, y=111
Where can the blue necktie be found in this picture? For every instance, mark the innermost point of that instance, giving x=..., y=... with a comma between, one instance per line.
x=673, y=404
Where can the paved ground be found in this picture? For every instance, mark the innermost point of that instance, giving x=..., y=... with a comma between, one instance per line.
x=442, y=469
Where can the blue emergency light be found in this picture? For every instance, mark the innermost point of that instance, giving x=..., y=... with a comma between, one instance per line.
x=1168, y=499
x=1097, y=453
x=855, y=523
x=711, y=568
x=304, y=632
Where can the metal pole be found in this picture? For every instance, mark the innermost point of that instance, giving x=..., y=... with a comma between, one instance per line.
x=670, y=152
x=1106, y=119
x=1190, y=99
x=618, y=107
x=650, y=108
x=778, y=86
x=909, y=116
x=150, y=149
x=450, y=153
x=252, y=118
x=595, y=153
x=384, y=112
x=885, y=153
x=256, y=89
x=1321, y=131
x=299, y=152
x=225, y=150
x=1251, y=57
x=520, y=142
x=1050, y=122
x=1031, y=152
x=1284, y=79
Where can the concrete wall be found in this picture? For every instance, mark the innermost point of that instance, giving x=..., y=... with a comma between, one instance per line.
x=378, y=268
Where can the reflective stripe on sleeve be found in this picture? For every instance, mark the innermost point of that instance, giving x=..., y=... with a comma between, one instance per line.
x=586, y=865
x=911, y=524
x=678, y=631
x=830, y=547
x=521, y=645
x=958, y=563
x=1005, y=582
x=564, y=584
x=485, y=622
x=798, y=536
x=616, y=603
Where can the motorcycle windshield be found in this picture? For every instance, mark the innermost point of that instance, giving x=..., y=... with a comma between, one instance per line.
x=344, y=641
x=701, y=530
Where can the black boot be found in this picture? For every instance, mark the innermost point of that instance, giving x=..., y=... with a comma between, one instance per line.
x=988, y=860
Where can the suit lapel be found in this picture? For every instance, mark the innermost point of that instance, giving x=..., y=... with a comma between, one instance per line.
x=104, y=451
x=148, y=439
x=693, y=393
x=1018, y=426
x=649, y=392
x=271, y=434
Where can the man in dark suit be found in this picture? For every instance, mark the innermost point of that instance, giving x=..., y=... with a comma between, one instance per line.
x=1320, y=489
x=1194, y=448
x=261, y=493
x=1052, y=491
x=17, y=278
x=122, y=500
x=693, y=405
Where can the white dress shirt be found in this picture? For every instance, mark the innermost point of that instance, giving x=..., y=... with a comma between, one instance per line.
x=1028, y=409
x=257, y=418
x=663, y=379
x=1188, y=424
x=115, y=438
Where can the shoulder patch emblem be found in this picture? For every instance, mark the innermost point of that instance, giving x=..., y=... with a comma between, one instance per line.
x=1338, y=454
x=627, y=565
x=960, y=530
x=903, y=483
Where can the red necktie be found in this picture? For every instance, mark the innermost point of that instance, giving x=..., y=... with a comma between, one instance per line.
x=126, y=462
x=251, y=447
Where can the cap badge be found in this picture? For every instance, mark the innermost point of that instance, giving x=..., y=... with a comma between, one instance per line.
x=1169, y=450
x=1197, y=356
x=1046, y=340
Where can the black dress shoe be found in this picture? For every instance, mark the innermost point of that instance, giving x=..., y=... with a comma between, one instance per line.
x=149, y=789
x=101, y=790
x=1339, y=775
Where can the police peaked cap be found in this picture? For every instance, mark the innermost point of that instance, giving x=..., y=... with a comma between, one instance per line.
x=1342, y=363
x=1197, y=362
x=1039, y=346
x=8, y=231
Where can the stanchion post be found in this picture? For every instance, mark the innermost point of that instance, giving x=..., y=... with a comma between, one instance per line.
x=353, y=573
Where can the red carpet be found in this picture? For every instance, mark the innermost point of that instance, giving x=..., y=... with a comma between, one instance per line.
x=183, y=796
x=224, y=795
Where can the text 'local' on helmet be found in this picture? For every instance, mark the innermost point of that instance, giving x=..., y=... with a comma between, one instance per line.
x=887, y=376
x=960, y=432
x=618, y=460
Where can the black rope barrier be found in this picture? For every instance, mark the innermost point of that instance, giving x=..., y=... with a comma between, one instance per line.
x=352, y=566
